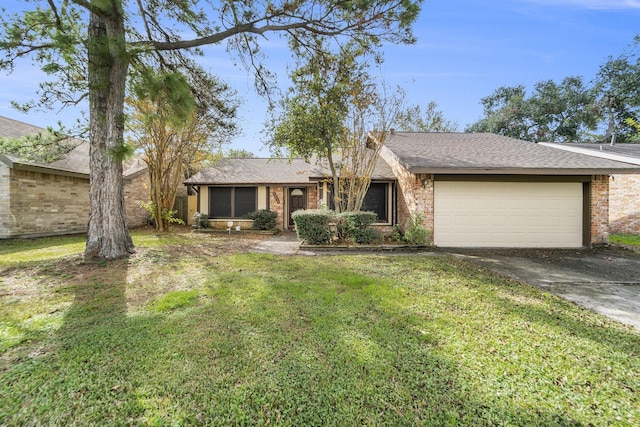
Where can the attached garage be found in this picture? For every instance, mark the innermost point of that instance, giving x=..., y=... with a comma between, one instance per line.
x=484, y=190
x=508, y=214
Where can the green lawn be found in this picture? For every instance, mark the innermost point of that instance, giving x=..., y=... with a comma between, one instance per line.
x=632, y=240
x=195, y=330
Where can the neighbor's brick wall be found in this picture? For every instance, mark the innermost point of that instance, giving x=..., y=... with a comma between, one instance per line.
x=44, y=204
x=136, y=188
x=5, y=200
x=624, y=204
x=600, y=209
x=415, y=192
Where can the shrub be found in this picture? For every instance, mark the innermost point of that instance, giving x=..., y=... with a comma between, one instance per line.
x=356, y=226
x=415, y=233
x=201, y=220
x=313, y=226
x=263, y=219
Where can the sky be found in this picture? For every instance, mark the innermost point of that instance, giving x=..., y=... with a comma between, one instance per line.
x=465, y=50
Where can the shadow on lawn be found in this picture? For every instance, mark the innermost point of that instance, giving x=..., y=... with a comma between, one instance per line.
x=269, y=349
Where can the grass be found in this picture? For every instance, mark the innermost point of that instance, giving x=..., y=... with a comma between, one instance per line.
x=196, y=330
x=632, y=240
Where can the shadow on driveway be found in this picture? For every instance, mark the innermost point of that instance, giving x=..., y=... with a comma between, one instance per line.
x=606, y=281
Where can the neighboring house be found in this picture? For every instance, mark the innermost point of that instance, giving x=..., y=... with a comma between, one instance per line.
x=232, y=188
x=44, y=199
x=473, y=190
x=624, y=189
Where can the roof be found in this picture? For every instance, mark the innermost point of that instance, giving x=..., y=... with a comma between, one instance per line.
x=624, y=152
x=486, y=153
x=272, y=171
x=253, y=171
x=74, y=163
x=381, y=172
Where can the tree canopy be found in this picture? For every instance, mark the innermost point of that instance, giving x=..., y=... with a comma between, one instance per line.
x=552, y=112
x=91, y=48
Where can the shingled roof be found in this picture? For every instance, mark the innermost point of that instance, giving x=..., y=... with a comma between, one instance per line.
x=253, y=171
x=74, y=163
x=623, y=152
x=485, y=153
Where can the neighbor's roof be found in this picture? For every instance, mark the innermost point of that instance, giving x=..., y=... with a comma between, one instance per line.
x=74, y=163
x=253, y=171
x=623, y=152
x=485, y=153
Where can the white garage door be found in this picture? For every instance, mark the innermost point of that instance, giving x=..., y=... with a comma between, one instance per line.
x=508, y=214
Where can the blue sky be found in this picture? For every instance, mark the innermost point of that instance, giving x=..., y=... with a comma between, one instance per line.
x=466, y=49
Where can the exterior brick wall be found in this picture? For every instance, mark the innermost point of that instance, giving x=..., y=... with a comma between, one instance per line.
x=624, y=204
x=415, y=192
x=44, y=204
x=277, y=199
x=136, y=188
x=5, y=199
x=599, y=209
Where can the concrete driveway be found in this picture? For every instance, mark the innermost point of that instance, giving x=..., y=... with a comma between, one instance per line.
x=606, y=281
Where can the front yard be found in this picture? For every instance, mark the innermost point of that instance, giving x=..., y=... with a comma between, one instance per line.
x=195, y=329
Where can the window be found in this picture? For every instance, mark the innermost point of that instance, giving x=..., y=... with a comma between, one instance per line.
x=376, y=200
x=231, y=202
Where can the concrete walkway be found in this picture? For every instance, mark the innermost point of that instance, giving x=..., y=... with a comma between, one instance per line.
x=285, y=243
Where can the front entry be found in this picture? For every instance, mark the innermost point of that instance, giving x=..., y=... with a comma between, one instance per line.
x=297, y=200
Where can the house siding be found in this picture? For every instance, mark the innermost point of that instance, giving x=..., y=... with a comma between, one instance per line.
x=624, y=204
x=44, y=204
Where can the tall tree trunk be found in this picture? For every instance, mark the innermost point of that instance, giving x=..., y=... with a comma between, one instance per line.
x=108, y=236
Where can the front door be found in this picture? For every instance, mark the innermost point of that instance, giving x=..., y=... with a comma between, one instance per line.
x=297, y=200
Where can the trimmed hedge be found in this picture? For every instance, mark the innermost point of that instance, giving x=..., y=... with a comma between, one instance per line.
x=263, y=219
x=313, y=225
x=356, y=226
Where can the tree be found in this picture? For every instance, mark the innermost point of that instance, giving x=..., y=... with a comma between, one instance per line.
x=90, y=47
x=553, y=112
x=413, y=119
x=332, y=111
x=618, y=88
x=234, y=153
x=176, y=136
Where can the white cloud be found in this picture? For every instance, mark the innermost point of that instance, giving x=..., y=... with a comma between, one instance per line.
x=592, y=4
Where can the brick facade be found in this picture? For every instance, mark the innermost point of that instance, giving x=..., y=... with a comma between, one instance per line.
x=599, y=209
x=136, y=188
x=44, y=204
x=5, y=201
x=35, y=204
x=624, y=204
x=415, y=192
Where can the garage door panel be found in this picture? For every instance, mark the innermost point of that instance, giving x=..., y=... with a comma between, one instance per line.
x=507, y=214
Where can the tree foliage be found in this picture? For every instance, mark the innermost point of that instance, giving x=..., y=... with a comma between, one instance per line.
x=176, y=132
x=90, y=48
x=336, y=113
x=414, y=119
x=553, y=112
x=618, y=88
